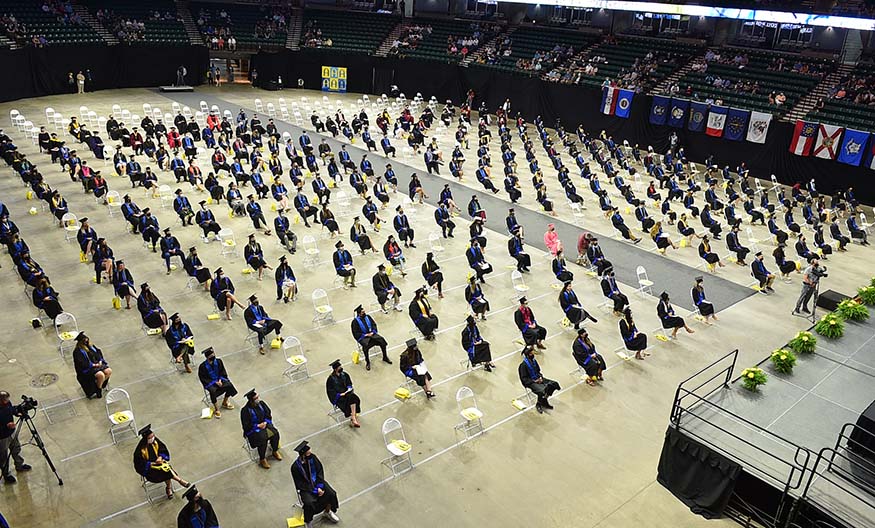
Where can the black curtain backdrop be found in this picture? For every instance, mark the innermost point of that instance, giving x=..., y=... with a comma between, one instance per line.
x=572, y=104
x=700, y=477
x=36, y=72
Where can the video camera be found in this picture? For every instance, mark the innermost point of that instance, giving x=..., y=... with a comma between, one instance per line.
x=27, y=404
x=819, y=271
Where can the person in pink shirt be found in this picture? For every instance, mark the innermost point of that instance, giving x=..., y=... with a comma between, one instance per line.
x=551, y=239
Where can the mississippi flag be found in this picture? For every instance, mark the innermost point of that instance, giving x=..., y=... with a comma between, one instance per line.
x=803, y=138
x=828, y=142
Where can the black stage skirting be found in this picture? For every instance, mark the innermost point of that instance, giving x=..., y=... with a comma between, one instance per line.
x=863, y=437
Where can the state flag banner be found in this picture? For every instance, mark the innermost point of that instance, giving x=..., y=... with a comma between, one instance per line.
x=853, y=147
x=828, y=141
x=716, y=121
x=803, y=138
x=758, y=127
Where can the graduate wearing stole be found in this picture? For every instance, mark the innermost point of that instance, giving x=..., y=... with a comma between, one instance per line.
x=214, y=378
x=364, y=330
x=569, y=303
x=532, y=379
x=198, y=512
x=584, y=353
x=475, y=346
x=533, y=334
x=341, y=394
x=152, y=461
x=420, y=312
x=258, y=428
x=316, y=494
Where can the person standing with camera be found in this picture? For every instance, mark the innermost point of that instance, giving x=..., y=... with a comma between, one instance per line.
x=9, y=446
x=810, y=279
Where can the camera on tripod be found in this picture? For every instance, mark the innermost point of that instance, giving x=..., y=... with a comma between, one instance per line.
x=819, y=271
x=27, y=404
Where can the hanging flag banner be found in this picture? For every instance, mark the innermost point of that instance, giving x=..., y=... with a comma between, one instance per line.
x=758, y=128
x=698, y=111
x=853, y=146
x=678, y=112
x=616, y=101
x=609, y=100
x=716, y=121
x=803, y=138
x=624, y=103
x=736, y=124
x=828, y=141
x=659, y=110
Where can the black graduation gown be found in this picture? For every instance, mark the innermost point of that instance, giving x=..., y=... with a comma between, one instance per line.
x=543, y=388
x=382, y=284
x=406, y=364
x=427, y=324
x=705, y=307
x=203, y=518
x=635, y=343
x=309, y=476
x=477, y=353
x=82, y=361
x=667, y=316
x=145, y=455
x=588, y=358
x=530, y=335
x=479, y=304
x=337, y=384
x=250, y=417
x=571, y=306
x=209, y=375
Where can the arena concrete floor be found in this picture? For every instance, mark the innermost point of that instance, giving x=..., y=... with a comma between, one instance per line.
x=590, y=462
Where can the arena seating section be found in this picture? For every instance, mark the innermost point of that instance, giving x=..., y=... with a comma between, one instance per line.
x=360, y=32
x=157, y=31
x=38, y=23
x=793, y=85
x=846, y=112
x=434, y=46
x=527, y=41
x=243, y=21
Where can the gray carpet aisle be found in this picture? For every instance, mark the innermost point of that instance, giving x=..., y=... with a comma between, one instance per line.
x=673, y=277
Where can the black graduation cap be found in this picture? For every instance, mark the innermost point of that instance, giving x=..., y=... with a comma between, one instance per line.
x=355, y=218
x=253, y=298
x=202, y=202
x=144, y=285
x=411, y=343
x=398, y=208
x=119, y=262
x=358, y=308
x=699, y=278
x=83, y=219
x=175, y=316
x=282, y=258
x=251, y=236
x=523, y=300
x=303, y=447
x=190, y=493
x=80, y=336
x=208, y=352
x=167, y=231
x=759, y=254
x=145, y=431
x=192, y=248
x=381, y=267
x=339, y=244
x=218, y=270
x=178, y=191
x=251, y=394
x=470, y=319
x=250, y=196
x=336, y=363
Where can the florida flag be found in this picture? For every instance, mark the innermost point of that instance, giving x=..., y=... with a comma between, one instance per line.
x=803, y=138
x=616, y=101
x=828, y=141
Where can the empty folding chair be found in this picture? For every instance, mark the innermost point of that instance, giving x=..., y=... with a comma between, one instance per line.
x=271, y=110
x=519, y=284
x=311, y=252
x=645, y=285
x=229, y=243
x=296, y=361
x=472, y=416
x=399, y=459
x=120, y=413
x=66, y=328
x=205, y=108
x=258, y=105
x=434, y=240
x=323, y=313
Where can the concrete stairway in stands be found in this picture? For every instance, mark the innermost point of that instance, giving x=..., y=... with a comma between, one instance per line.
x=386, y=45
x=665, y=85
x=296, y=24
x=806, y=103
x=95, y=24
x=194, y=35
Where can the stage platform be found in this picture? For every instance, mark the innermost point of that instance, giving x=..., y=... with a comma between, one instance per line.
x=777, y=433
x=175, y=89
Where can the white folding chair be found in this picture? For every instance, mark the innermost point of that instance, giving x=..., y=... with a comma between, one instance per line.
x=311, y=252
x=229, y=242
x=166, y=196
x=645, y=285
x=116, y=109
x=186, y=111
x=66, y=328
x=120, y=413
x=864, y=225
x=752, y=241
x=126, y=115
x=296, y=361
x=399, y=459
x=147, y=109
x=259, y=107
x=434, y=240
x=472, y=416
x=519, y=284
x=205, y=108
x=50, y=114
x=83, y=112
x=344, y=203
x=175, y=107
x=323, y=313
x=71, y=226
x=271, y=110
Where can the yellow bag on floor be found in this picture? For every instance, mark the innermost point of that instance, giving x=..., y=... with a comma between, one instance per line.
x=356, y=357
x=82, y=257
x=213, y=317
x=402, y=394
x=684, y=243
x=32, y=211
x=315, y=200
x=117, y=303
x=276, y=343
x=29, y=195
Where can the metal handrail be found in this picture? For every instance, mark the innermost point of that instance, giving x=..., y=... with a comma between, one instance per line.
x=829, y=455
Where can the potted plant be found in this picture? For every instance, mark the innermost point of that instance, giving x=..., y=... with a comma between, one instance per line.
x=852, y=310
x=752, y=378
x=783, y=360
x=830, y=326
x=803, y=343
x=867, y=295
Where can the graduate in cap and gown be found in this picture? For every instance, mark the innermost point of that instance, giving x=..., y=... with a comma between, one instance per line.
x=706, y=308
x=316, y=494
x=195, y=268
x=532, y=379
x=668, y=318
x=180, y=340
x=92, y=370
x=198, y=513
x=533, y=333
x=413, y=366
x=476, y=347
x=584, y=353
x=570, y=304
x=421, y=314
x=364, y=330
x=258, y=428
x=341, y=394
x=214, y=378
x=152, y=461
x=259, y=322
x=150, y=309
